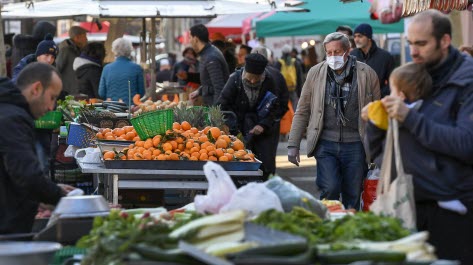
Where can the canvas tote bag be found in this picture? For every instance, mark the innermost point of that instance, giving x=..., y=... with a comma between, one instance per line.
x=395, y=198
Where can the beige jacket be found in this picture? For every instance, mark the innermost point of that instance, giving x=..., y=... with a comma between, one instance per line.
x=310, y=110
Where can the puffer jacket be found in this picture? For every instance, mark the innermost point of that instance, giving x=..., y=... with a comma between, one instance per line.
x=213, y=74
x=22, y=64
x=22, y=182
x=115, y=77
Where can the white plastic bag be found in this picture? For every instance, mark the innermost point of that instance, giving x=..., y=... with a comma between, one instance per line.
x=70, y=151
x=254, y=198
x=88, y=155
x=220, y=191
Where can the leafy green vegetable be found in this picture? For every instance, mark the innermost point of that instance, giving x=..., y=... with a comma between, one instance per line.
x=362, y=225
x=112, y=238
x=299, y=222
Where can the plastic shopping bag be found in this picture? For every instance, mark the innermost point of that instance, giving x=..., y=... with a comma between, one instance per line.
x=395, y=198
x=291, y=196
x=254, y=198
x=369, y=189
x=220, y=191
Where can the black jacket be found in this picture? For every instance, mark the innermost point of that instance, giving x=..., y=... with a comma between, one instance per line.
x=233, y=98
x=22, y=182
x=213, y=71
x=382, y=63
x=88, y=75
x=283, y=96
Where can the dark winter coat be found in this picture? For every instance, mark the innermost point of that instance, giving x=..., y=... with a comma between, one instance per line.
x=22, y=64
x=437, y=140
x=22, y=182
x=382, y=63
x=164, y=75
x=184, y=66
x=234, y=98
x=214, y=73
x=68, y=52
x=88, y=74
x=283, y=96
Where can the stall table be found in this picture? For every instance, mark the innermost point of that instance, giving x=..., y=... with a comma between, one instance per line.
x=115, y=179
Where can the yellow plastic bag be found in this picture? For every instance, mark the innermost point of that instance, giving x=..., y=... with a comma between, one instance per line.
x=378, y=115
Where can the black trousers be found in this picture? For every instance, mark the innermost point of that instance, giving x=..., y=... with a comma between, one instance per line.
x=450, y=233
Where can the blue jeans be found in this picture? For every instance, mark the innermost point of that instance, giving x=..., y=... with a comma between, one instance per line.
x=341, y=168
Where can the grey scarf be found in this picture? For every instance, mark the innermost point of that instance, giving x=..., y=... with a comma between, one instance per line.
x=339, y=88
x=252, y=90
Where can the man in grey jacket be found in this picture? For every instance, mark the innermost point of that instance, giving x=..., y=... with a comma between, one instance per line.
x=329, y=109
x=69, y=49
x=213, y=68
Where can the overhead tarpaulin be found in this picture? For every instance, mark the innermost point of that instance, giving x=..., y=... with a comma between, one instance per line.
x=324, y=17
x=137, y=9
x=228, y=24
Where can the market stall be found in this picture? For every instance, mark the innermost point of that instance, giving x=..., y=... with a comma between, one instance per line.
x=180, y=179
x=260, y=223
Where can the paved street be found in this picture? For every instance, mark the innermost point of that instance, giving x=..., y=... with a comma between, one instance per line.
x=302, y=176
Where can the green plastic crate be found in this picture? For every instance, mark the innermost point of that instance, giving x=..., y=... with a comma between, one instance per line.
x=65, y=253
x=50, y=120
x=152, y=123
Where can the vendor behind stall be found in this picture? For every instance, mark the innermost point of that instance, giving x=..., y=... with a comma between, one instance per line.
x=22, y=182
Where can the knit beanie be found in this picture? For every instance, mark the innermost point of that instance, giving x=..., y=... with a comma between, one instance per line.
x=47, y=46
x=365, y=29
x=255, y=63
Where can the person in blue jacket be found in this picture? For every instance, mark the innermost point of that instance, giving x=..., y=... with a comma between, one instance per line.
x=46, y=52
x=436, y=140
x=115, y=76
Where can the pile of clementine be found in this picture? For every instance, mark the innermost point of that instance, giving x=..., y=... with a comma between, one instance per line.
x=126, y=133
x=185, y=142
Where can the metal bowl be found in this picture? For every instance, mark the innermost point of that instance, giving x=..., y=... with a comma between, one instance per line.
x=27, y=253
x=82, y=205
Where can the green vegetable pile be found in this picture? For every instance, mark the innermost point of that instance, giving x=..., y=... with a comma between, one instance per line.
x=362, y=225
x=113, y=238
x=298, y=222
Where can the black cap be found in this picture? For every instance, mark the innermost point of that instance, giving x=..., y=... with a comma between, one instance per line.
x=255, y=63
x=47, y=46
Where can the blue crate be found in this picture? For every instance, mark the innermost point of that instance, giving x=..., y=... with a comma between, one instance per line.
x=80, y=135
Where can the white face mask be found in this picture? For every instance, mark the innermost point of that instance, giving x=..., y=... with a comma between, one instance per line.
x=336, y=62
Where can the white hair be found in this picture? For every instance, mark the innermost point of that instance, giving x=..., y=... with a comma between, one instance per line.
x=338, y=36
x=122, y=47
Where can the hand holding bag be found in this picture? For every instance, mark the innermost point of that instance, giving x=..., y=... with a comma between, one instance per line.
x=395, y=198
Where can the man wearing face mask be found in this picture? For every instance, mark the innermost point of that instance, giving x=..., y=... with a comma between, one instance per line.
x=329, y=109
x=245, y=94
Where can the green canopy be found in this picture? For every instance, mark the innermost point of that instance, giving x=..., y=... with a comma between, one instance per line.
x=324, y=17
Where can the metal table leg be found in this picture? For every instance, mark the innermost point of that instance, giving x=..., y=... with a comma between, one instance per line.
x=115, y=189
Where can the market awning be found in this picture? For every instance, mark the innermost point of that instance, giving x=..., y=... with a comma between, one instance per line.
x=324, y=17
x=228, y=24
x=138, y=9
